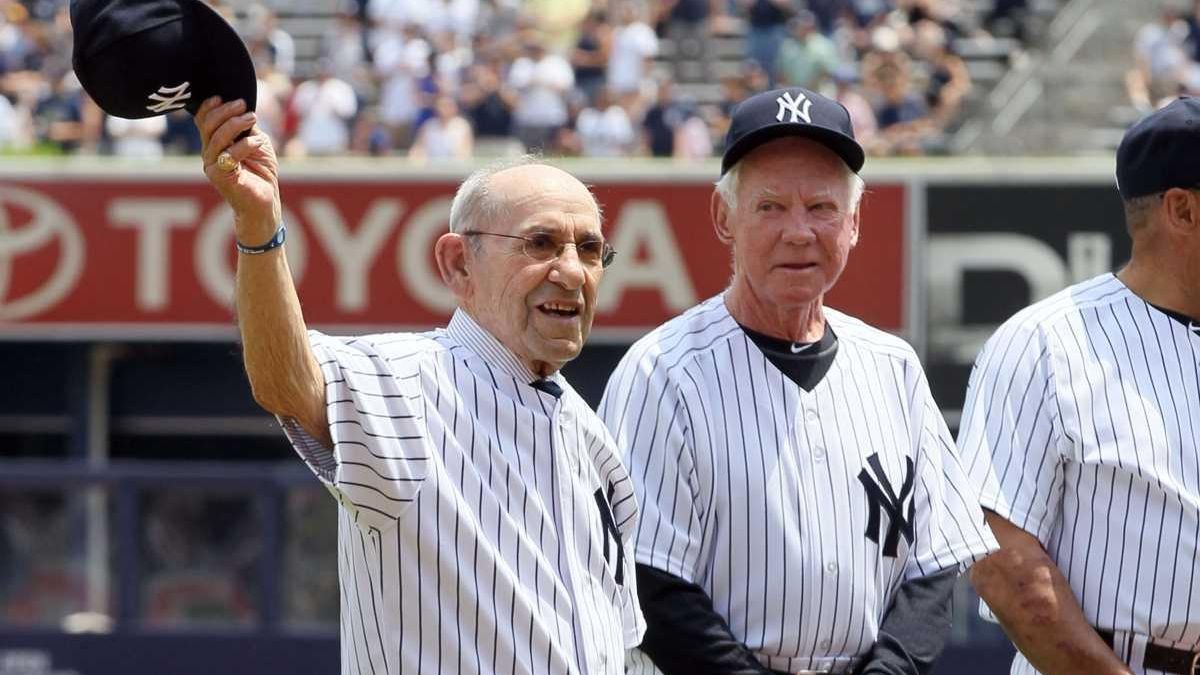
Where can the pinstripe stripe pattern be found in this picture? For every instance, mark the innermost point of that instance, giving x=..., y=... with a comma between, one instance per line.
x=1082, y=427
x=470, y=536
x=750, y=486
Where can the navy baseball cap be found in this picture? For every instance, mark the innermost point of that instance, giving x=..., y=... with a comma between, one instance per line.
x=1161, y=151
x=791, y=112
x=141, y=58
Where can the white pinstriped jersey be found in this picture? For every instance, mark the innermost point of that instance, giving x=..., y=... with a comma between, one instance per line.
x=1082, y=427
x=798, y=512
x=475, y=530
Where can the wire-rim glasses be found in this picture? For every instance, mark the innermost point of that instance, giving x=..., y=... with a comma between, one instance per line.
x=543, y=247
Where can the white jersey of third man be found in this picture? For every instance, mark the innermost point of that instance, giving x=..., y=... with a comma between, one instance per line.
x=484, y=524
x=799, y=513
x=1082, y=427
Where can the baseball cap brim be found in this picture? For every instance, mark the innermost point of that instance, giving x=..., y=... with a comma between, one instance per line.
x=842, y=145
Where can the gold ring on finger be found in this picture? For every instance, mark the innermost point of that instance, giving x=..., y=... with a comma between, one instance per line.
x=226, y=162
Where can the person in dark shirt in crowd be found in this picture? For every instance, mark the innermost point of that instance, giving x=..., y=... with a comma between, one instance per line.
x=487, y=103
x=590, y=57
x=768, y=28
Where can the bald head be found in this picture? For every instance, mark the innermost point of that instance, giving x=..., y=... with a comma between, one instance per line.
x=491, y=194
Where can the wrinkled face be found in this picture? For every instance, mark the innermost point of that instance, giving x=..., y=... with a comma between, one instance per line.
x=793, y=227
x=541, y=310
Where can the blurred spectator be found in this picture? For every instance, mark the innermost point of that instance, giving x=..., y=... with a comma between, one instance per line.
x=345, y=48
x=590, y=56
x=693, y=142
x=768, y=27
x=604, y=129
x=452, y=18
x=556, y=21
x=541, y=80
x=137, y=139
x=181, y=136
x=633, y=44
x=862, y=116
x=661, y=121
x=806, y=58
x=688, y=27
x=370, y=136
x=1162, y=67
x=444, y=136
x=900, y=112
x=401, y=58
x=58, y=116
x=489, y=106
x=949, y=80
x=324, y=107
x=262, y=28
x=14, y=126
x=1007, y=18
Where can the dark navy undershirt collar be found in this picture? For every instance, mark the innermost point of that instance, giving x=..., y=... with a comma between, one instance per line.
x=804, y=363
x=1188, y=322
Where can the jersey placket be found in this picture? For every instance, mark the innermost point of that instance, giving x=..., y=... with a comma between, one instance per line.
x=565, y=469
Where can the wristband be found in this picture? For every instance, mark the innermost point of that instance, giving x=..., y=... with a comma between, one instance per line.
x=275, y=242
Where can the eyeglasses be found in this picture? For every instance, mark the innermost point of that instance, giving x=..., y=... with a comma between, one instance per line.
x=543, y=247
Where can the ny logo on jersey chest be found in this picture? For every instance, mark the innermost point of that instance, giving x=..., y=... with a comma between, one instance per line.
x=609, y=524
x=882, y=497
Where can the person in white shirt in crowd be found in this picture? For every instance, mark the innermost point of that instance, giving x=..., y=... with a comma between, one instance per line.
x=633, y=45
x=137, y=139
x=394, y=14
x=324, y=105
x=541, y=80
x=446, y=135
x=401, y=58
x=262, y=25
x=454, y=17
x=604, y=128
x=344, y=44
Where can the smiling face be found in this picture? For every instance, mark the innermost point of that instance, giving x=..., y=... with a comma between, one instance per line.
x=793, y=225
x=540, y=310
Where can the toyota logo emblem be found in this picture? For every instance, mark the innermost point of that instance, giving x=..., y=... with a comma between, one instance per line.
x=48, y=224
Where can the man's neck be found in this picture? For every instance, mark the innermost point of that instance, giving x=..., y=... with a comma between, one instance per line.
x=1163, y=284
x=803, y=323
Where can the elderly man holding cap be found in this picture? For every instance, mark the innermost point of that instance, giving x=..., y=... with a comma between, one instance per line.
x=1082, y=426
x=803, y=505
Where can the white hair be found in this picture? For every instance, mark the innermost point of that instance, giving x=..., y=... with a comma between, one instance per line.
x=727, y=186
x=473, y=205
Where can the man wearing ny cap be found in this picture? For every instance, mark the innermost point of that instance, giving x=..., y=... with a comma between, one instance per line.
x=1082, y=430
x=803, y=506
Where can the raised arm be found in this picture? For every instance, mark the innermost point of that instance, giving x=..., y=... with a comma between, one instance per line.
x=284, y=376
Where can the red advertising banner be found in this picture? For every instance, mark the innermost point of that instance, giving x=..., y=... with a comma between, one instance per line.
x=153, y=259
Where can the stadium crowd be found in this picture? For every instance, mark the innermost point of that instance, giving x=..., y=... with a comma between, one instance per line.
x=1166, y=57
x=459, y=78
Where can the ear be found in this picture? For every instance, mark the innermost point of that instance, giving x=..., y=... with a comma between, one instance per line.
x=720, y=218
x=1182, y=211
x=855, y=221
x=452, y=256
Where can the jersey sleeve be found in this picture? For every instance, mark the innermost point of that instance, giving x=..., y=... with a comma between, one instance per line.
x=1010, y=432
x=643, y=410
x=949, y=525
x=380, y=452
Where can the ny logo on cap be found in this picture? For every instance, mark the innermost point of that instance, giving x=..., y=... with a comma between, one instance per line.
x=169, y=98
x=797, y=106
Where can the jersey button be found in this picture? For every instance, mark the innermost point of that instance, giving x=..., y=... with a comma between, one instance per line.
x=824, y=645
x=811, y=416
x=831, y=567
x=818, y=453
